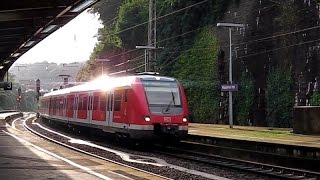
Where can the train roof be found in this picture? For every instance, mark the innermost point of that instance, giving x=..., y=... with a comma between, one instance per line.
x=106, y=83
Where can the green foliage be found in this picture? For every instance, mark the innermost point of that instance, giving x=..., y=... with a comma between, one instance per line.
x=244, y=99
x=288, y=15
x=88, y=71
x=132, y=13
x=8, y=99
x=315, y=99
x=107, y=10
x=279, y=97
x=197, y=70
x=177, y=32
x=111, y=38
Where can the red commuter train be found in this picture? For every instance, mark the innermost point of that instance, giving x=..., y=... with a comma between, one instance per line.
x=142, y=106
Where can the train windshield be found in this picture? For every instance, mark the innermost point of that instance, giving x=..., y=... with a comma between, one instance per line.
x=162, y=93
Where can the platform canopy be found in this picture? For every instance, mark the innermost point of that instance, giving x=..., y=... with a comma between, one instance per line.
x=24, y=23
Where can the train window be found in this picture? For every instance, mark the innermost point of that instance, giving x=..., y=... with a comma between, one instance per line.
x=95, y=102
x=110, y=102
x=61, y=104
x=103, y=103
x=85, y=103
x=71, y=103
x=117, y=102
x=126, y=95
x=56, y=103
x=80, y=103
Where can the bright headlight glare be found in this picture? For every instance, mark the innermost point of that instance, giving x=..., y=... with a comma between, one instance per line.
x=147, y=119
x=184, y=119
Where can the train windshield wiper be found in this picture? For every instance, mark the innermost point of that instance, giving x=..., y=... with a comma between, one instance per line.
x=172, y=101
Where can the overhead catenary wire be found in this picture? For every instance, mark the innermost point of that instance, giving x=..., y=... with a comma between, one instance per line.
x=256, y=40
x=160, y=17
x=279, y=34
x=254, y=54
x=157, y=18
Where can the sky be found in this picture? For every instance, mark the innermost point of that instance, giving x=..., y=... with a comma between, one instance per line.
x=73, y=42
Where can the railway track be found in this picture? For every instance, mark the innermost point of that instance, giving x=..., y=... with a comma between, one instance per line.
x=272, y=171
x=81, y=149
x=263, y=170
x=146, y=164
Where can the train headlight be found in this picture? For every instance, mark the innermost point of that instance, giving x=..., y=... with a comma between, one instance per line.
x=148, y=119
x=184, y=119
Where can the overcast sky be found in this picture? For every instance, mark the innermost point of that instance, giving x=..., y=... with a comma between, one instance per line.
x=72, y=43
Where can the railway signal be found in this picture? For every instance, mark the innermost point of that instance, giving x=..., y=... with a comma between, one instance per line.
x=38, y=88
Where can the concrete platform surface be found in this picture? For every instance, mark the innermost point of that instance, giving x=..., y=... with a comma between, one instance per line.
x=24, y=155
x=4, y=115
x=261, y=134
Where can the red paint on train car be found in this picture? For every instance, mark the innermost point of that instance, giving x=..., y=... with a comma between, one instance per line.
x=140, y=106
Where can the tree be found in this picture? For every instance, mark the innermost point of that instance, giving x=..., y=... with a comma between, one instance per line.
x=279, y=97
x=244, y=99
x=197, y=70
x=131, y=14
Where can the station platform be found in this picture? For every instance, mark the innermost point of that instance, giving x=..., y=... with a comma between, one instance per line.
x=4, y=115
x=266, y=145
x=24, y=155
x=259, y=134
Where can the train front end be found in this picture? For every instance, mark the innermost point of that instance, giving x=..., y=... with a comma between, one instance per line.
x=166, y=108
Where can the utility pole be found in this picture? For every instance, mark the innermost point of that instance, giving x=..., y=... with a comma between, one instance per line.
x=152, y=37
x=102, y=61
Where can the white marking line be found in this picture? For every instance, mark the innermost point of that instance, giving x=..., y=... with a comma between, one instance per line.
x=120, y=175
x=88, y=170
x=122, y=155
x=14, y=122
x=126, y=157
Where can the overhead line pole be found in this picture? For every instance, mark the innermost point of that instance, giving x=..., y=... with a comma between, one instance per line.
x=152, y=36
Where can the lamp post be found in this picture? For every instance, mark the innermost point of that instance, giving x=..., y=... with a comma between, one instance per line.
x=230, y=26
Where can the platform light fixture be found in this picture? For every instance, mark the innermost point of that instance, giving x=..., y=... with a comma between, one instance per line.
x=82, y=6
x=16, y=55
x=6, y=62
x=29, y=43
x=1, y=67
x=230, y=26
x=49, y=28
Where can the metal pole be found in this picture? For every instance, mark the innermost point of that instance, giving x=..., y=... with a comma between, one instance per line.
x=152, y=34
x=230, y=81
x=102, y=68
x=145, y=60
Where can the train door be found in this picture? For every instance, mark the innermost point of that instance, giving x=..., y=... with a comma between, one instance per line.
x=99, y=108
x=50, y=106
x=119, y=110
x=109, y=112
x=75, y=106
x=64, y=106
x=90, y=106
x=83, y=107
x=70, y=107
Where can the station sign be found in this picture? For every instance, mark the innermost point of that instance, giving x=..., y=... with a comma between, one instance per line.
x=6, y=85
x=229, y=87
